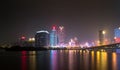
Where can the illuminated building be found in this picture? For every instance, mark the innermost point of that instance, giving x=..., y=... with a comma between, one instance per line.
x=42, y=38
x=23, y=38
x=53, y=37
x=74, y=42
x=31, y=41
x=101, y=37
x=22, y=41
x=61, y=36
x=117, y=35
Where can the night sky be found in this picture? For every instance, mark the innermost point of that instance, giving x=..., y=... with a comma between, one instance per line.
x=82, y=18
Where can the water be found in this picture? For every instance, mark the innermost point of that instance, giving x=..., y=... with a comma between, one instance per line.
x=59, y=60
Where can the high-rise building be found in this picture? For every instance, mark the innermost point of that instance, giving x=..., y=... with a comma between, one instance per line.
x=101, y=37
x=42, y=38
x=53, y=37
x=61, y=36
x=117, y=35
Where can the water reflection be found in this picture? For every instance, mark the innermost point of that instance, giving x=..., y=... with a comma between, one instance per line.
x=23, y=60
x=114, y=61
x=62, y=60
x=53, y=59
x=71, y=59
x=82, y=60
x=32, y=60
x=92, y=60
x=98, y=60
x=86, y=60
x=103, y=61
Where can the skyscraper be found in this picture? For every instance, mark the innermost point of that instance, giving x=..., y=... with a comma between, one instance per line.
x=42, y=38
x=53, y=37
x=61, y=36
x=117, y=35
x=101, y=37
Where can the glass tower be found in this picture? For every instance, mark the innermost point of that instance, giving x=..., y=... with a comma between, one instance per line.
x=53, y=37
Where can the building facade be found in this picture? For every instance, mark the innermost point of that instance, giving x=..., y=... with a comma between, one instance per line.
x=101, y=37
x=42, y=38
x=53, y=37
x=117, y=35
x=61, y=36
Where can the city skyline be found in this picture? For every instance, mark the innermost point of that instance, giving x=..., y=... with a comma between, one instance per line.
x=81, y=19
x=56, y=38
x=60, y=35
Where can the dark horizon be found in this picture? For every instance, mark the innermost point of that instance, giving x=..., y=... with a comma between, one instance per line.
x=82, y=19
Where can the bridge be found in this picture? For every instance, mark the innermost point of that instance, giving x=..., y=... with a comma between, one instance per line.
x=111, y=47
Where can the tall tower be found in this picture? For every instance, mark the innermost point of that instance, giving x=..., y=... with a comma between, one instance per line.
x=53, y=37
x=61, y=36
x=101, y=37
x=117, y=35
x=42, y=38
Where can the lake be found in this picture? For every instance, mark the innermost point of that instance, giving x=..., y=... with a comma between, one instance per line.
x=59, y=60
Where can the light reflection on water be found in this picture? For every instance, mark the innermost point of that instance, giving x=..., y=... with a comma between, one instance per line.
x=23, y=60
x=71, y=60
x=32, y=61
x=114, y=61
x=61, y=60
x=53, y=60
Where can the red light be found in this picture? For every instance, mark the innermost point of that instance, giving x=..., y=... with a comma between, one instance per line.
x=54, y=28
x=23, y=37
x=117, y=40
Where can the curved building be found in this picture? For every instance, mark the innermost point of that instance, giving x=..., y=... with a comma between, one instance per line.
x=42, y=38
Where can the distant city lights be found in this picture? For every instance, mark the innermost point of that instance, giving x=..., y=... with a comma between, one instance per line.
x=54, y=28
x=57, y=38
x=61, y=28
x=23, y=37
x=31, y=39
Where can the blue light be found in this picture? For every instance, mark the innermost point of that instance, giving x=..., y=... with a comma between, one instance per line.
x=117, y=32
x=53, y=38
